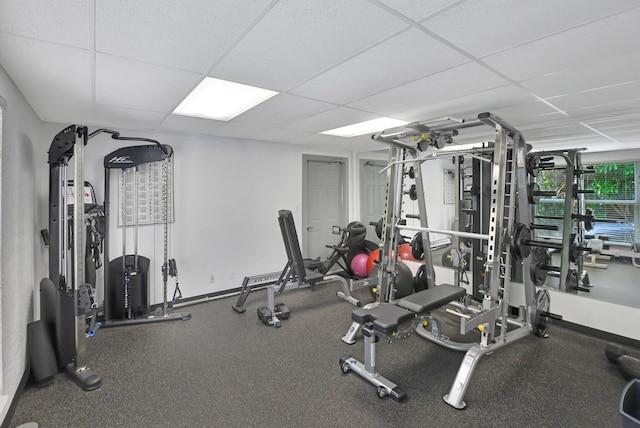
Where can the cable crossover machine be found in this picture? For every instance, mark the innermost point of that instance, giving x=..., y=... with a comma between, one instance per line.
x=126, y=280
x=65, y=296
x=492, y=317
x=68, y=309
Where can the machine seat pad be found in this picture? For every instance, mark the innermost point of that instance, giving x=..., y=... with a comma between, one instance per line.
x=431, y=298
x=312, y=276
x=312, y=264
x=385, y=318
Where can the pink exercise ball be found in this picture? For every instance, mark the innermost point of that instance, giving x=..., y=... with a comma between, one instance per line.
x=359, y=265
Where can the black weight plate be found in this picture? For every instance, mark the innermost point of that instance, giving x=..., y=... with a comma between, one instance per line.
x=403, y=281
x=539, y=258
x=379, y=229
x=543, y=304
x=533, y=192
x=416, y=247
x=519, y=247
x=420, y=280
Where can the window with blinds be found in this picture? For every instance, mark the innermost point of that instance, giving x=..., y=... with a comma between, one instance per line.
x=613, y=201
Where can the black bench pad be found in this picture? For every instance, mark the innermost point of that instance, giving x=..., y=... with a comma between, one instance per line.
x=312, y=276
x=385, y=318
x=431, y=298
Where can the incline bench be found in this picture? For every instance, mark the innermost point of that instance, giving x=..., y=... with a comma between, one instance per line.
x=297, y=273
x=384, y=320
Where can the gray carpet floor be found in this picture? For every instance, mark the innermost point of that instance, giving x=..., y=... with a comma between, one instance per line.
x=226, y=369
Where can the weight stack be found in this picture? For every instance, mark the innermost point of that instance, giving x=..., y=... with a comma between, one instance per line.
x=134, y=292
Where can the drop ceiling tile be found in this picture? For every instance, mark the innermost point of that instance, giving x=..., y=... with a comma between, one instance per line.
x=616, y=97
x=418, y=10
x=331, y=119
x=131, y=84
x=237, y=130
x=299, y=39
x=282, y=109
x=186, y=35
x=193, y=125
x=73, y=110
x=374, y=70
x=559, y=133
x=625, y=132
x=571, y=49
x=48, y=75
x=592, y=143
x=456, y=82
x=528, y=113
x=117, y=117
x=595, y=74
x=484, y=24
x=614, y=107
x=357, y=145
x=497, y=100
x=320, y=140
x=279, y=135
x=613, y=122
x=66, y=23
x=631, y=142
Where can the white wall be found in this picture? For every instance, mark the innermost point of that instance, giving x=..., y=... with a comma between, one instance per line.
x=24, y=205
x=227, y=196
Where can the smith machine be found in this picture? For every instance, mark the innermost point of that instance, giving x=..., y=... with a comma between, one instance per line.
x=493, y=316
x=573, y=224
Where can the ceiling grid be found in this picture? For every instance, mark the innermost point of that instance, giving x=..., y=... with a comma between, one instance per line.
x=563, y=72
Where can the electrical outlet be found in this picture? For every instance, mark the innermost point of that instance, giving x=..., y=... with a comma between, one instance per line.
x=212, y=278
x=232, y=275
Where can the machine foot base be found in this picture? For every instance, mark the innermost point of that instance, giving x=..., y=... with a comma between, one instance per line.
x=384, y=387
x=85, y=378
x=460, y=406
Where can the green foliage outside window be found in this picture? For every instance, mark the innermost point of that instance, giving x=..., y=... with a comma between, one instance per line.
x=613, y=200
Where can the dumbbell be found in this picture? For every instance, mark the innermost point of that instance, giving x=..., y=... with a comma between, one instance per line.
x=628, y=366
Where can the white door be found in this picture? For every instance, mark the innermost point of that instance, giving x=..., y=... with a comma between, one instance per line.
x=373, y=193
x=324, y=205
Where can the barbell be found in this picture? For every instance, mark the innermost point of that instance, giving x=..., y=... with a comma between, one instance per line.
x=522, y=243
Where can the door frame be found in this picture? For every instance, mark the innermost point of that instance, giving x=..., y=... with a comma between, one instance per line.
x=379, y=158
x=344, y=184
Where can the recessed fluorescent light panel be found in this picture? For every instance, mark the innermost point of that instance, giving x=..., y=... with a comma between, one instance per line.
x=221, y=100
x=368, y=127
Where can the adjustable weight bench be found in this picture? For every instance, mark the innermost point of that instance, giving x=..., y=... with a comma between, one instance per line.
x=297, y=273
x=384, y=320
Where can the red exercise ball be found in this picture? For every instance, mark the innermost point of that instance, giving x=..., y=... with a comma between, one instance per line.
x=404, y=252
x=372, y=259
